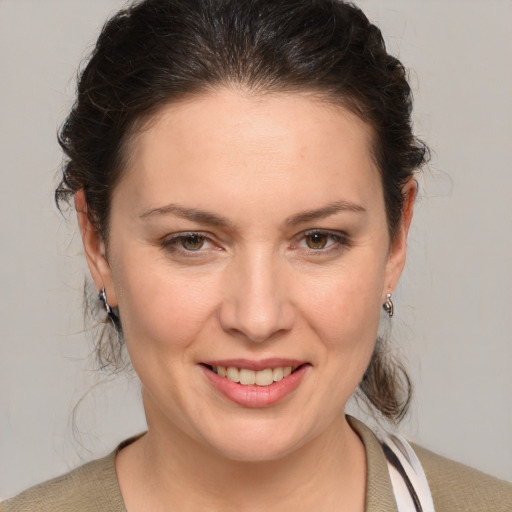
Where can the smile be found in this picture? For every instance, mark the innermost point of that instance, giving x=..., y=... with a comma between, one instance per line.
x=256, y=384
x=248, y=377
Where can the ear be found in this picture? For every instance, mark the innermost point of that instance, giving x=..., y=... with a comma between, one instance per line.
x=95, y=252
x=398, y=246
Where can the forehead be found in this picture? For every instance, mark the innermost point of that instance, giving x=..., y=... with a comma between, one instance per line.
x=226, y=143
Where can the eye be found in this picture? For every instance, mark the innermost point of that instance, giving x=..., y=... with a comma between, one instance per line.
x=319, y=242
x=316, y=240
x=192, y=242
x=187, y=243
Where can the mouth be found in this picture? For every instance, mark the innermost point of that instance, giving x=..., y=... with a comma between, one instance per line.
x=256, y=384
x=249, y=377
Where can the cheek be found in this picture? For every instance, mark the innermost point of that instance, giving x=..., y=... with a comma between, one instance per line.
x=344, y=311
x=347, y=302
x=162, y=309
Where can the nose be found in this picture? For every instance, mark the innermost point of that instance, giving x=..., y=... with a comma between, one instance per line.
x=257, y=303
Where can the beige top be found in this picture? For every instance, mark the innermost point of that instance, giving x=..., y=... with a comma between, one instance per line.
x=455, y=487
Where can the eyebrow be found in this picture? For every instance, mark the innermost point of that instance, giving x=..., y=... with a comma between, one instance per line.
x=193, y=214
x=326, y=211
x=205, y=217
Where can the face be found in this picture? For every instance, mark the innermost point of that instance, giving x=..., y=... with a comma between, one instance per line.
x=248, y=237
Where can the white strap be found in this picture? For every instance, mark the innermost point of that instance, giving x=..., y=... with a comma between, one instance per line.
x=410, y=485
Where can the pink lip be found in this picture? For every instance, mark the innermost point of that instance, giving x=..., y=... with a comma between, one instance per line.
x=249, y=364
x=256, y=396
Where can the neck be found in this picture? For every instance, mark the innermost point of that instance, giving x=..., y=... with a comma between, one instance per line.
x=327, y=473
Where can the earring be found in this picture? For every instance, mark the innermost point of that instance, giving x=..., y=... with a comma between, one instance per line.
x=110, y=312
x=388, y=305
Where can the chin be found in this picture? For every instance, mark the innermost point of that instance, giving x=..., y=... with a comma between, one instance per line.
x=255, y=452
x=266, y=442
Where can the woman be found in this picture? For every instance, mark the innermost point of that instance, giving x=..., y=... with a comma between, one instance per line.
x=243, y=178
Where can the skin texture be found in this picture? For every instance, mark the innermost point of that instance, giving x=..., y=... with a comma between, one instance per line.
x=258, y=285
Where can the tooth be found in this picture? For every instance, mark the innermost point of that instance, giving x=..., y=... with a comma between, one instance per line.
x=287, y=370
x=233, y=374
x=247, y=376
x=264, y=377
x=221, y=370
x=278, y=374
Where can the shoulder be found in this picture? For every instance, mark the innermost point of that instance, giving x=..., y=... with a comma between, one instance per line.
x=92, y=487
x=456, y=487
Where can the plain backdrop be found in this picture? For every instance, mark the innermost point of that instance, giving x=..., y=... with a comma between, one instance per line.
x=454, y=305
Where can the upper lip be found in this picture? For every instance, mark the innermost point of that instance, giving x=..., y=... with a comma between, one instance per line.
x=251, y=364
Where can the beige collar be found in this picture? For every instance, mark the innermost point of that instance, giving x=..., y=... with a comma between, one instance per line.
x=379, y=491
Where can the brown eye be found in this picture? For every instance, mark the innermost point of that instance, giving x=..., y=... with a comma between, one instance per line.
x=317, y=240
x=192, y=242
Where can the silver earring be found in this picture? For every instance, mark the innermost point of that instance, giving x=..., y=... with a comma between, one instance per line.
x=388, y=305
x=110, y=312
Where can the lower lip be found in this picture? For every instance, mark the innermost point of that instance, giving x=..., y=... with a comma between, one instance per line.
x=256, y=396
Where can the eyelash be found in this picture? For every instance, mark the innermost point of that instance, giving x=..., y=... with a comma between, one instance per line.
x=172, y=243
x=339, y=241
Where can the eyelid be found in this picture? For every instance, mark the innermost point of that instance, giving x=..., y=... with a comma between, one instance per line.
x=341, y=239
x=171, y=242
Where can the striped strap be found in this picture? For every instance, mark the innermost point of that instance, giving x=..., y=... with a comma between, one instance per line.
x=410, y=486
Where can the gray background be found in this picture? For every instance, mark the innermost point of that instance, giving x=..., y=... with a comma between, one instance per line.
x=454, y=304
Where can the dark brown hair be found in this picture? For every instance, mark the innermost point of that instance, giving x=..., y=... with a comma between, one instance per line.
x=159, y=51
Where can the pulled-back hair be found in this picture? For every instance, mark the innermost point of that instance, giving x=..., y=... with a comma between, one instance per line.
x=160, y=51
